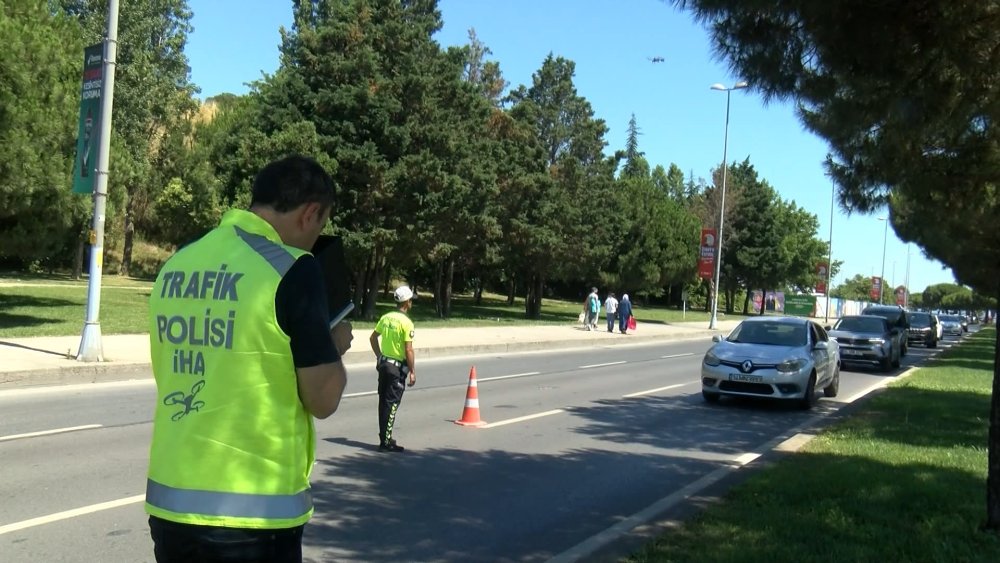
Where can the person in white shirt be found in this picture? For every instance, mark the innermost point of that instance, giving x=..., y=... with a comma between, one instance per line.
x=611, y=307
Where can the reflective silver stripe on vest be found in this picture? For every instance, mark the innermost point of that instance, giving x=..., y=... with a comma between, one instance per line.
x=235, y=505
x=279, y=258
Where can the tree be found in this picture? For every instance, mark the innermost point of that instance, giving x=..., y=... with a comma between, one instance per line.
x=906, y=96
x=483, y=74
x=573, y=242
x=857, y=288
x=634, y=167
x=40, y=77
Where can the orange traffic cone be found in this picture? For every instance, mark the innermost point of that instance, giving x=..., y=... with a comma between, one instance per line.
x=470, y=416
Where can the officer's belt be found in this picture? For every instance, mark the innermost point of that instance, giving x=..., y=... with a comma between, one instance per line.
x=392, y=361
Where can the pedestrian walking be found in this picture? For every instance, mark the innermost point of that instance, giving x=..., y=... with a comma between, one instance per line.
x=244, y=358
x=395, y=364
x=591, y=309
x=611, y=309
x=624, y=313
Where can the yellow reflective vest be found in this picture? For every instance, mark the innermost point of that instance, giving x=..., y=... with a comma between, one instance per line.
x=232, y=445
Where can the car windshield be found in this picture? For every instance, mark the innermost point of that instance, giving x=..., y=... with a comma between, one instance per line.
x=892, y=315
x=770, y=333
x=950, y=319
x=920, y=320
x=861, y=324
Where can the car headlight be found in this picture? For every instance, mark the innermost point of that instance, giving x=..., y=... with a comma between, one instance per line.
x=711, y=359
x=791, y=366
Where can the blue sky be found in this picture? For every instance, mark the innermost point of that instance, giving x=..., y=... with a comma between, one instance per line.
x=681, y=119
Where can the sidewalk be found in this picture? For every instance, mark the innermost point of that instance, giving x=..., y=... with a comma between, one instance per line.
x=51, y=360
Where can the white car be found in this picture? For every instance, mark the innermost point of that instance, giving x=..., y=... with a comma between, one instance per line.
x=777, y=357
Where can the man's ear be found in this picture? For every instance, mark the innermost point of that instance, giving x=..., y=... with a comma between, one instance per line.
x=310, y=214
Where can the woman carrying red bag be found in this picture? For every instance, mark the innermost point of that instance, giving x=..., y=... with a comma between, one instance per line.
x=625, y=320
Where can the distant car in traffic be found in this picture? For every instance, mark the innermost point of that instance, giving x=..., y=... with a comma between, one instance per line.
x=952, y=325
x=778, y=357
x=866, y=339
x=923, y=329
x=899, y=322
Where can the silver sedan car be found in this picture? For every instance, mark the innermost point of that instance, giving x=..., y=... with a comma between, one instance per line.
x=777, y=357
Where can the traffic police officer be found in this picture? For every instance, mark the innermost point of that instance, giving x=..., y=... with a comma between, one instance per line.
x=243, y=358
x=395, y=364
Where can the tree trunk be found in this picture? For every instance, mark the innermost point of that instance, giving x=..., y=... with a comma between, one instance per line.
x=126, y=264
x=449, y=275
x=479, y=291
x=81, y=247
x=361, y=287
x=511, y=288
x=374, y=281
x=746, y=302
x=438, y=285
x=533, y=299
x=708, y=296
x=993, y=455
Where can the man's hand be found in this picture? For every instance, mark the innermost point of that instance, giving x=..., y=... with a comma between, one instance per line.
x=342, y=335
x=413, y=379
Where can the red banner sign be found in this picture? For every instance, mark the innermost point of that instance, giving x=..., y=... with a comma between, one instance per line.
x=901, y=296
x=706, y=258
x=876, y=288
x=821, y=273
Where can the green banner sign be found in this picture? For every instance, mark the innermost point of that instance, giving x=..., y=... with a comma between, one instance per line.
x=800, y=305
x=87, y=142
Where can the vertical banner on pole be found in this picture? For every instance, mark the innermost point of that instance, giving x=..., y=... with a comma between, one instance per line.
x=87, y=141
x=876, y=288
x=706, y=258
x=821, y=274
x=901, y=295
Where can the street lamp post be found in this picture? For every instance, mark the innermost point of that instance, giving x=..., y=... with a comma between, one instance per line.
x=885, y=238
x=829, y=258
x=722, y=206
x=906, y=283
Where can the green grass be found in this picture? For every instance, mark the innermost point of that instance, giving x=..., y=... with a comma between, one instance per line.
x=55, y=305
x=902, y=480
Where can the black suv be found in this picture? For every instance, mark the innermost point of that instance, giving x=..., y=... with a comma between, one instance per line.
x=899, y=322
x=923, y=329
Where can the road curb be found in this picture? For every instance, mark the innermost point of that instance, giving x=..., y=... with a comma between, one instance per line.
x=121, y=371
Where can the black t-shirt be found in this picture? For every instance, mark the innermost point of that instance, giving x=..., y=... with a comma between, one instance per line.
x=302, y=312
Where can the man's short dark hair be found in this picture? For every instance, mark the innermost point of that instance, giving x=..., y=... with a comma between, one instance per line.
x=292, y=181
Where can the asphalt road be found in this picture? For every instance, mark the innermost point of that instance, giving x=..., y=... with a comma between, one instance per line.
x=582, y=445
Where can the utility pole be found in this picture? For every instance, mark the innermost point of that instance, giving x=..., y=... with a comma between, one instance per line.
x=829, y=258
x=906, y=279
x=91, y=348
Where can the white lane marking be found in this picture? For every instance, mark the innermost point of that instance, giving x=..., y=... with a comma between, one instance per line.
x=499, y=377
x=361, y=394
x=746, y=458
x=676, y=356
x=49, y=432
x=603, y=365
x=522, y=418
x=49, y=389
x=795, y=443
x=881, y=383
x=67, y=514
x=648, y=391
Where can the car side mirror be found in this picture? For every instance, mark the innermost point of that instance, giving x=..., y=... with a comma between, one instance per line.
x=717, y=338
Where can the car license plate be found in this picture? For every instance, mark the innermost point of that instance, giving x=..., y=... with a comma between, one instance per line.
x=745, y=378
x=850, y=352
